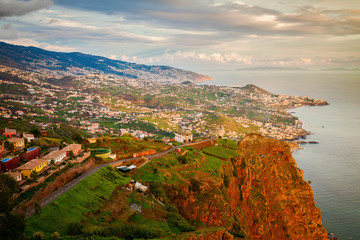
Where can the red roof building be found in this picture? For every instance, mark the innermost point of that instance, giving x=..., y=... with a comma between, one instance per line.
x=10, y=132
x=30, y=154
x=9, y=163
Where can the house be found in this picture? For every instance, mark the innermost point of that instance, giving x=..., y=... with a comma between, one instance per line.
x=30, y=137
x=15, y=175
x=183, y=137
x=30, y=154
x=140, y=187
x=44, y=133
x=9, y=163
x=10, y=132
x=58, y=156
x=18, y=142
x=35, y=165
x=75, y=148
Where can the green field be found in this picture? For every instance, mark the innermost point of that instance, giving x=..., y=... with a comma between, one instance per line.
x=87, y=196
x=220, y=152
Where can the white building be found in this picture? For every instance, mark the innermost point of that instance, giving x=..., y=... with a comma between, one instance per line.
x=58, y=156
x=30, y=137
x=183, y=137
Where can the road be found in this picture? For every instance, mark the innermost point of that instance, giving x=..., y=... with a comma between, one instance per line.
x=45, y=201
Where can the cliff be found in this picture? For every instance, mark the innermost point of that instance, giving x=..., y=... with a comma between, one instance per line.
x=259, y=195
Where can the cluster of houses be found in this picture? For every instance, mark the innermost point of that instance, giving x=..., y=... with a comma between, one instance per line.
x=33, y=163
x=22, y=165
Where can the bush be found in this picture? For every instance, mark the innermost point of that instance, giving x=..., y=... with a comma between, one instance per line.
x=157, y=189
x=38, y=236
x=195, y=185
x=226, y=180
x=182, y=159
x=131, y=231
x=55, y=236
x=177, y=220
x=74, y=228
x=171, y=208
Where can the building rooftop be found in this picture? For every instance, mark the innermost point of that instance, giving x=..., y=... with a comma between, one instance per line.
x=6, y=159
x=8, y=130
x=31, y=149
x=72, y=147
x=15, y=140
x=31, y=164
x=54, y=154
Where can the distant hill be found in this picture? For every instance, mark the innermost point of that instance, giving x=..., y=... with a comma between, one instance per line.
x=75, y=63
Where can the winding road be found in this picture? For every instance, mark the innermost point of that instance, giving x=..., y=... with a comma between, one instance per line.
x=45, y=201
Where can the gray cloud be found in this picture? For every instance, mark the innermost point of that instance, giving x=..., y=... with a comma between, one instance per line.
x=236, y=18
x=8, y=32
x=10, y=8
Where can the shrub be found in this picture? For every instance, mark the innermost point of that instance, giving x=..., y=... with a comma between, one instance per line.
x=171, y=208
x=182, y=159
x=131, y=231
x=38, y=236
x=226, y=180
x=55, y=236
x=74, y=228
x=177, y=220
x=195, y=185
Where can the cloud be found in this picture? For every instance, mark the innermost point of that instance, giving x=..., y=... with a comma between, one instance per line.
x=10, y=8
x=46, y=46
x=7, y=32
x=229, y=18
x=113, y=56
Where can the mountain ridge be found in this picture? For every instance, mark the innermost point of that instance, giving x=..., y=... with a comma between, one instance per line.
x=76, y=63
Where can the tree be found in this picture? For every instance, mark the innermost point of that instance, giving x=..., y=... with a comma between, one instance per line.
x=77, y=137
x=8, y=187
x=9, y=146
x=34, y=176
x=37, y=208
x=11, y=226
x=26, y=142
x=35, y=132
x=71, y=154
x=52, y=163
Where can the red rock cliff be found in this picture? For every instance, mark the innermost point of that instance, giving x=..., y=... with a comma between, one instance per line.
x=261, y=195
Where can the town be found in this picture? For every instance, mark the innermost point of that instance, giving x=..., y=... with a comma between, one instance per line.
x=98, y=104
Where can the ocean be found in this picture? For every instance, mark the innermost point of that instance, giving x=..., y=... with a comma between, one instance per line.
x=333, y=165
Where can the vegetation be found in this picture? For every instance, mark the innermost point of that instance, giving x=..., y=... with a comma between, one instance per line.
x=88, y=195
x=11, y=225
x=220, y=152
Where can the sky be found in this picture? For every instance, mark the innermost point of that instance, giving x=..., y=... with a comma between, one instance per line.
x=192, y=34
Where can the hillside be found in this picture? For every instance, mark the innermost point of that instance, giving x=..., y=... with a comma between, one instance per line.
x=61, y=64
x=254, y=193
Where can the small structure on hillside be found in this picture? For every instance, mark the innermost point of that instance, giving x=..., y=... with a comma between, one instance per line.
x=183, y=137
x=30, y=137
x=126, y=169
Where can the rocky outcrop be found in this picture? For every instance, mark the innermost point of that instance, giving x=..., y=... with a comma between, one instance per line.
x=261, y=195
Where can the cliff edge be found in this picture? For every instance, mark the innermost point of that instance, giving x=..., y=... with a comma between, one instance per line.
x=260, y=195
